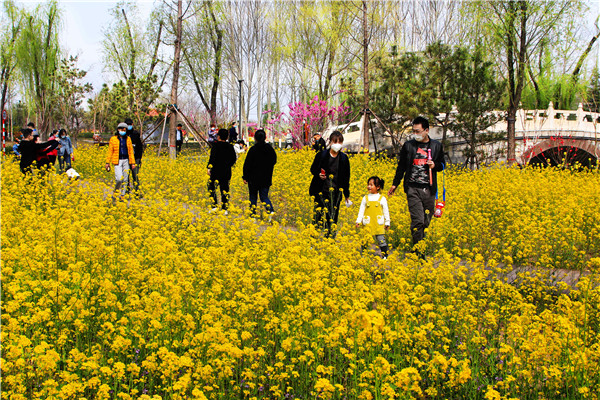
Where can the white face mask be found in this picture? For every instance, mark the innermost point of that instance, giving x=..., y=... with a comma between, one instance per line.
x=336, y=147
x=420, y=138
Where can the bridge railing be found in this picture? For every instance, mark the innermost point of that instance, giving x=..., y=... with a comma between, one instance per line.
x=535, y=126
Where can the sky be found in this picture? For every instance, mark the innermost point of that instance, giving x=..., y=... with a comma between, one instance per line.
x=84, y=22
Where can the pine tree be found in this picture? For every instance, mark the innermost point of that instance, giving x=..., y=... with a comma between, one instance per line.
x=479, y=93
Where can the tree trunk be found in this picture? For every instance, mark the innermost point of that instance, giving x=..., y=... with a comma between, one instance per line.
x=329, y=73
x=590, y=46
x=277, y=69
x=515, y=81
x=520, y=81
x=4, y=91
x=269, y=96
x=174, y=86
x=217, y=75
x=473, y=156
x=536, y=87
x=259, y=98
x=365, y=122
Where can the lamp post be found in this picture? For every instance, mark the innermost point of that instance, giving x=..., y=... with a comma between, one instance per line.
x=240, y=113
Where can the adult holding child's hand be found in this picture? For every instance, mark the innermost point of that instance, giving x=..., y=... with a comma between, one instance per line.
x=421, y=158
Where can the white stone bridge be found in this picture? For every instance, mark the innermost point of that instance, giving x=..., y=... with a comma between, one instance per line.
x=546, y=137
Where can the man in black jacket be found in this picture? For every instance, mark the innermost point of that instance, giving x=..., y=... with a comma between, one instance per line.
x=29, y=149
x=222, y=158
x=258, y=171
x=420, y=176
x=138, y=151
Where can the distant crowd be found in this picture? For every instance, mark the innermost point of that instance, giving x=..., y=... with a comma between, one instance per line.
x=43, y=155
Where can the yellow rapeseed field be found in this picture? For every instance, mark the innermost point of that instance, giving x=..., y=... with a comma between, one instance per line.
x=158, y=298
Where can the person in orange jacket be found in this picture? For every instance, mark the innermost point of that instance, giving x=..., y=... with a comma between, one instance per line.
x=120, y=154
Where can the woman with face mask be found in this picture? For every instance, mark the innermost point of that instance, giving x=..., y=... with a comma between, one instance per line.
x=331, y=180
x=65, y=151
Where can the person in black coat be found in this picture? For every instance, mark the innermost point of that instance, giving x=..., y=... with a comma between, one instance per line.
x=30, y=150
x=233, y=136
x=420, y=177
x=222, y=158
x=318, y=143
x=258, y=171
x=331, y=180
x=138, y=151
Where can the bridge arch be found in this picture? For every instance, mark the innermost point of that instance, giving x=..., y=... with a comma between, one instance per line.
x=562, y=151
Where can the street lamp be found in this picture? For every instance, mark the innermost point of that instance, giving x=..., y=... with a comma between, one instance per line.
x=240, y=113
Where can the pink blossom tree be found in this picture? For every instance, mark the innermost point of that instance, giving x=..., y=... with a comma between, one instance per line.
x=305, y=119
x=311, y=117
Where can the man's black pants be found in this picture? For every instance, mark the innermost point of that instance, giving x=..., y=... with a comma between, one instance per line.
x=421, y=205
x=223, y=188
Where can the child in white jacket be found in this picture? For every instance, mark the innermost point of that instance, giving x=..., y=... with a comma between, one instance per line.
x=374, y=214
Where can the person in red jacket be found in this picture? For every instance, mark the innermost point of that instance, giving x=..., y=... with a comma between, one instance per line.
x=53, y=153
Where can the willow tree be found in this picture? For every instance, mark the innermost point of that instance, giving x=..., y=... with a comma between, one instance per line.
x=38, y=57
x=11, y=29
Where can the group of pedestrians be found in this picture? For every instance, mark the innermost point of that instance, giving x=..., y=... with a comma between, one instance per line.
x=420, y=159
x=125, y=151
x=213, y=134
x=257, y=170
x=43, y=155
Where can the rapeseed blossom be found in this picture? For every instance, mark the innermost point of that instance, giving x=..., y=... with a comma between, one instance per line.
x=160, y=299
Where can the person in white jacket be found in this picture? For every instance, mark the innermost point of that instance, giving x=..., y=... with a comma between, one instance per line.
x=374, y=214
